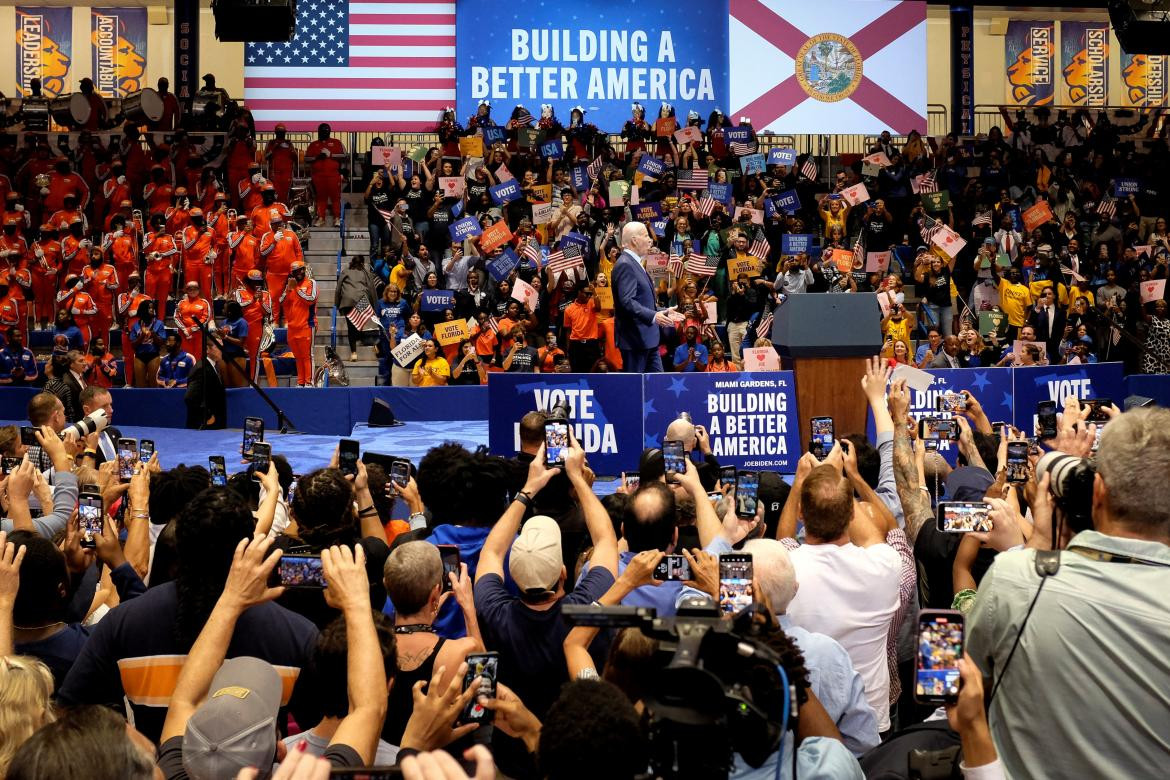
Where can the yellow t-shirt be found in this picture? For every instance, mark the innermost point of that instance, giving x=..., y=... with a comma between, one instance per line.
x=423, y=378
x=1071, y=299
x=399, y=276
x=1038, y=287
x=899, y=330
x=1014, y=299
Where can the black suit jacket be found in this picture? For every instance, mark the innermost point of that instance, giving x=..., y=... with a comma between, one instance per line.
x=206, y=398
x=73, y=411
x=114, y=434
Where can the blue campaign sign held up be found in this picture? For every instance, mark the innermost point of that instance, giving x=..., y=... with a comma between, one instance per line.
x=502, y=266
x=493, y=135
x=651, y=166
x=552, y=150
x=1126, y=187
x=580, y=176
x=782, y=157
x=795, y=243
x=751, y=417
x=597, y=56
x=437, y=300
x=788, y=202
x=751, y=163
x=465, y=228
x=605, y=412
x=1057, y=383
x=739, y=134
x=720, y=192
x=505, y=192
x=573, y=237
x=645, y=211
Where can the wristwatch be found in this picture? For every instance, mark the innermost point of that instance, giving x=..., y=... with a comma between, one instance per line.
x=418, y=521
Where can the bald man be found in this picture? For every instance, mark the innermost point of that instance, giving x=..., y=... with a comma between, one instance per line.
x=692, y=435
x=636, y=317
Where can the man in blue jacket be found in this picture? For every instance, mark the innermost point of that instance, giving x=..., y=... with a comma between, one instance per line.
x=637, y=319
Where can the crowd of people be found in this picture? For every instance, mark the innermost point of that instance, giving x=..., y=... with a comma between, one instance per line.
x=477, y=635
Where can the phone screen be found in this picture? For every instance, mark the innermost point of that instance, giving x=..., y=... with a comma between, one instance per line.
x=672, y=568
x=127, y=458
x=735, y=582
x=951, y=402
x=28, y=436
x=631, y=480
x=727, y=475
x=1046, y=419
x=940, y=646
x=1095, y=412
x=218, y=470
x=938, y=428
x=959, y=517
x=146, y=450
x=1017, y=462
x=347, y=456
x=292, y=490
x=449, y=554
x=9, y=465
x=485, y=666
x=556, y=442
x=400, y=473
x=821, y=440
x=930, y=445
x=253, y=432
x=674, y=458
x=301, y=571
x=90, y=520
x=261, y=456
x=747, y=485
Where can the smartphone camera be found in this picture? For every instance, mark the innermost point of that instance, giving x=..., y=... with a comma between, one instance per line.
x=940, y=647
x=261, y=458
x=253, y=432
x=146, y=450
x=960, y=517
x=735, y=582
x=672, y=568
x=631, y=481
x=821, y=438
x=486, y=666
x=556, y=443
x=951, y=403
x=90, y=520
x=127, y=458
x=1017, y=462
x=347, y=457
x=1096, y=413
x=449, y=554
x=938, y=429
x=218, y=469
x=400, y=473
x=9, y=465
x=28, y=436
x=674, y=458
x=1046, y=419
x=747, y=486
x=300, y=571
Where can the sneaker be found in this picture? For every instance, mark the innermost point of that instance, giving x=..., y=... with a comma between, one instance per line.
x=353, y=357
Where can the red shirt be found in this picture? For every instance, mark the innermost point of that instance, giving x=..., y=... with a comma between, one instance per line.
x=300, y=303
x=330, y=164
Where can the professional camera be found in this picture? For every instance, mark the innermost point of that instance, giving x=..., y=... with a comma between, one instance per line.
x=559, y=411
x=92, y=423
x=1071, y=483
x=700, y=707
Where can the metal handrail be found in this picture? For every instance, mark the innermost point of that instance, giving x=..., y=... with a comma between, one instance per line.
x=340, y=252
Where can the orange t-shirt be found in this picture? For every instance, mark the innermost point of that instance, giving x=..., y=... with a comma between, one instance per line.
x=581, y=320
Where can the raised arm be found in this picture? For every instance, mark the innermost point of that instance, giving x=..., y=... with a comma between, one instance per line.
x=605, y=552
x=499, y=539
x=911, y=490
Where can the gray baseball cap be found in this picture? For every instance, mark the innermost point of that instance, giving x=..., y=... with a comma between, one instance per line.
x=236, y=726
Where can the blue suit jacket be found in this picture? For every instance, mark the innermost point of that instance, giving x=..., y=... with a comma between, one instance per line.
x=634, y=306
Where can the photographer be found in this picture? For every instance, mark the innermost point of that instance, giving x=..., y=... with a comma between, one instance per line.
x=1057, y=641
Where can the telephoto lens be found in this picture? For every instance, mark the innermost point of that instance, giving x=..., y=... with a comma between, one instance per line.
x=1071, y=483
x=91, y=423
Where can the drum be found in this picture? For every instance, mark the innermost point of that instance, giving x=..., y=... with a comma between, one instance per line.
x=143, y=106
x=70, y=110
x=205, y=104
x=34, y=114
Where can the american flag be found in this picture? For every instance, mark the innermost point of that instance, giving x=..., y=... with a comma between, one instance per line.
x=384, y=66
x=859, y=252
x=701, y=265
x=523, y=121
x=927, y=182
x=931, y=228
x=675, y=265
x=740, y=148
x=594, y=169
x=706, y=206
x=692, y=178
x=809, y=169
x=764, y=326
x=493, y=324
x=1107, y=208
x=531, y=252
x=982, y=218
x=564, y=259
x=760, y=247
x=361, y=314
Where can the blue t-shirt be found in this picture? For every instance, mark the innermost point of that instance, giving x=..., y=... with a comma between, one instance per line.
x=237, y=330
x=10, y=360
x=148, y=350
x=680, y=356
x=177, y=367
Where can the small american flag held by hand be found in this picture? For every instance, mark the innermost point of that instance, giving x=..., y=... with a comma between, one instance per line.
x=809, y=169
x=701, y=265
x=706, y=206
x=523, y=121
x=760, y=247
x=565, y=259
x=531, y=252
x=594, y=169
x=675, y=266
x=493, y=324
x=1107, y=208
x=982, y=218
x=927, y=182
x=361, y=314
x=741, y=148
x=692, y=178
x=764, y=327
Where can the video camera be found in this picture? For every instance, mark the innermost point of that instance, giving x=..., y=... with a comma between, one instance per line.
x=1071, y=483
x=92, y=423
x=699, y=703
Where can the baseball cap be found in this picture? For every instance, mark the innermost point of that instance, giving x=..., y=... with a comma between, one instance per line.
x=11, y=221
x=280, y=126
x=221, y=196
x=275, y=215
x=268, y=187
x=255, y=276
x=296, y=265
x=989, y=241
x=535, y=562
x=773, y=493
x=236, y=726
x=968, y=483
x=125, y=204
x=196, y=211
x=180, y=190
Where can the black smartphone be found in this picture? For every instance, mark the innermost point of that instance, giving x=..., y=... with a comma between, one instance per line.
x=960, y=517
x=727, y=475
x=631, y=480
x=9, y=465
x=953, y=403
x=735, y=582
x=292, y=489
x=1046, y=419
x=28, y=436
x=1017, y=462
x=940, y=647
x=747, y=487
x=449, y=554
x=253, y=432
x=215, y=464
x=486, y=666
x=347, y=456
x=127, y=458
x=90, y=517
x=400, y=473
x=145, y=450
x=821, y=438
x=938, y=428
x=1096, y=413
x=556, y=443
x=261, y=458
x=673, y=568
x=300, y=571
x=674, y=458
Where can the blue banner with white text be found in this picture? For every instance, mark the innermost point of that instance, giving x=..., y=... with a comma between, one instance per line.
x=599, y=55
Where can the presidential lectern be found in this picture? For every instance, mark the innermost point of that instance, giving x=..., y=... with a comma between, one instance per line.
x=827, y=337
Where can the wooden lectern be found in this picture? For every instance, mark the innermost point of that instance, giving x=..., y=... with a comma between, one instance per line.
x=827, y=337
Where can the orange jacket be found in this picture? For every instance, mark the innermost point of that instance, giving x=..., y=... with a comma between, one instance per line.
x=300, y=304
x=196, y=244
x=101, y=284
x=188, y=311
x=280, y=252
x=330, y=164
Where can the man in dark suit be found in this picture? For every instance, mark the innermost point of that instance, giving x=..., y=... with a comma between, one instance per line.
x=1047, y=320
x=206, y=398
x=74, y=379
x=92, y=399
x=636, y=318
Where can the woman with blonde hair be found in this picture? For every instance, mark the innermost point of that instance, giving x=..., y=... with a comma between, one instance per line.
x=26, y=690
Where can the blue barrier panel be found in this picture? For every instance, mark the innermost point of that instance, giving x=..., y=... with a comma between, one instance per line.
x=421, y=404
x=1056, y=383
x=751, y=417
x=606, y=411
x=1156, y=386
x=322, y=410
x=14, y=402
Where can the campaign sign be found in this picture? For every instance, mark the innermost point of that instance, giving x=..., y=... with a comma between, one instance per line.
x=788, y=202
x=573, y=237
x=495, y=236
x=688, y=134
x=385, y=156
x=493, y=135
x=785, y=157
x=720, y=192
x=451, y=332
x=452, y=186
x=751, y=163
x=769, y=208
x=751, y=417
x=580, y=176
x=595, y=56
x=651, y=166
x=407, y=350
x=605, y=413
x=795, y=243
x=1033, y=384
x=740, y=134
x=543, y=213
x=471, y=146
x=1126, y=187
x=436, y=300
x=505, y=192
x=644, y=211
x=502, y=266
x=552, y=150
x=465, y=228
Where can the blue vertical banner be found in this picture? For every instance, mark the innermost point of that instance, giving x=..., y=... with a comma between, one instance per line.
x=44, y=49
x=597, y=54
x=1058, y=383
x=751, y=416
x=186, y=24
x=604, y=412
x=118, y=46
x=962, y=69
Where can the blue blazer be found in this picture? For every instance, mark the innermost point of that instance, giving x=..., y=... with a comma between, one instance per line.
x=634, y=306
